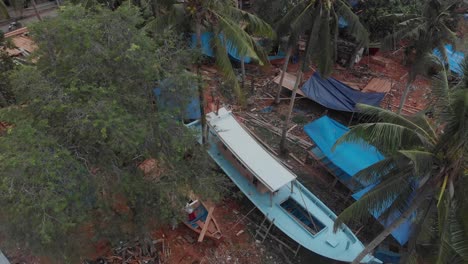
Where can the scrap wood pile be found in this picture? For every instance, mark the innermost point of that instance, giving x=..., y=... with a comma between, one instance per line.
x=262, y=122
x=146, y=251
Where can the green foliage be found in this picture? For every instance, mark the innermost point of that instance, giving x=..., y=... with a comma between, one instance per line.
x=424, y=168
x=375, y=15
x=272, y=11
x=219, y=17
x=85, y=119
x=319, y=19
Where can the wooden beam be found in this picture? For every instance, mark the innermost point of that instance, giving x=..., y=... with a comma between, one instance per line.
x=207, y=222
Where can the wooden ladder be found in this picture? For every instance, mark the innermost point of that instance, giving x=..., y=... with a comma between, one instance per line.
x=263, y=230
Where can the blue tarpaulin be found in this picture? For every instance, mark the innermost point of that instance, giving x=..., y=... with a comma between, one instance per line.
x=191, y=105
x=350, y=158
x=207, y=48
x=334, y=94
x=455, y=59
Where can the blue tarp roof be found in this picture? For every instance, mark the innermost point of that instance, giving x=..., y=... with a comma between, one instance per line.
x=455, y=59
x=192, y=109
x=207, y=49
x=334, y=94
x=350, y=158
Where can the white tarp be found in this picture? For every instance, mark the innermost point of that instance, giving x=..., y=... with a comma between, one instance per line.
x=261, y=163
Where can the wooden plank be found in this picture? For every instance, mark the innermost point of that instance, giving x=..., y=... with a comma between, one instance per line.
x=288, y=82
x=378, y=85
x=207, y=223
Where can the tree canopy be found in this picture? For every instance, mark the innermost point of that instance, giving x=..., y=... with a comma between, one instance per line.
x=85, y=117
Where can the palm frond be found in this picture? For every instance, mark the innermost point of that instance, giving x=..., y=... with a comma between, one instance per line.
x=391, y=117
x=355, y=27
x=173, y=18
x=409, y=32
x=374, y=172
x=387, y=137
x=376, y=200
x=322, y=50
x=282, y=27
x=422, y=161
x=224, y=64
x=255, y=25
x=3, y=10
x=234, y=34
x=313, y=37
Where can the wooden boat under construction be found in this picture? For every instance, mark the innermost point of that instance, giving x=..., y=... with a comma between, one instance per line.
x=201, y=220
x=274, y=190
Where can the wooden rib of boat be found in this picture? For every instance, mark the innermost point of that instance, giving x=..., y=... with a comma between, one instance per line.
x=203, y=222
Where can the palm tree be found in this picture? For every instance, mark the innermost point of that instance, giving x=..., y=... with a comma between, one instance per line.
x=423, y=172
x=224, y=19
x=424, y=32
x=318, y=18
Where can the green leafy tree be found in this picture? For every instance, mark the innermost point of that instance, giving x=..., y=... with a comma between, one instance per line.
x=318, y=19
x=6, y=66
x=222, y=18
x=424, y=32
x=375, y=15
x=424, y=173
x=85, y=118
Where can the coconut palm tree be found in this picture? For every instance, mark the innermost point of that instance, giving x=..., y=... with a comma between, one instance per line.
x=228, y=24
x=424, y=32
x=318, y=19
x=424, y=172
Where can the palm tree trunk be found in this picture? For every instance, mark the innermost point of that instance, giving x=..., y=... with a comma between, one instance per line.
x=243, y=72
x=283, y=72
x=201, y=94
x=405, y=94
x=381, y=237
x=284, y=133
x=33, y=2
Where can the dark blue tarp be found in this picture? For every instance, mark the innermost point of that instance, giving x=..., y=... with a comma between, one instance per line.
x=350, y=158
x=455, y=59
x=207, y=49
x=170, y=101
x=336, y=95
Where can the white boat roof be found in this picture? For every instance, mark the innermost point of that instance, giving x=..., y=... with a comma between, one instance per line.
x=267, y=169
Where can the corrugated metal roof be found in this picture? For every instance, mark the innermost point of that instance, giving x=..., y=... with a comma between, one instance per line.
x=261, y=163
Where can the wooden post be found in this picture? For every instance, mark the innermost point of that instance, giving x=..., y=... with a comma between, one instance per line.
x=207, y=223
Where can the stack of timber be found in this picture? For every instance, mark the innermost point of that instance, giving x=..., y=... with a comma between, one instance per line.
x=277, y=131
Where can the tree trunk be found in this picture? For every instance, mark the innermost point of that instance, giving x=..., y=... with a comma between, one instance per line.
x=57, y=2
x=403, y=217
x=33, y=2
x=284, y=133
x=285, y=68
x=243, y=72
x=201, y=93
x=404, y=95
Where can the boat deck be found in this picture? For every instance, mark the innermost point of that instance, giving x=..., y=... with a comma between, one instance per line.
x=342, y=245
